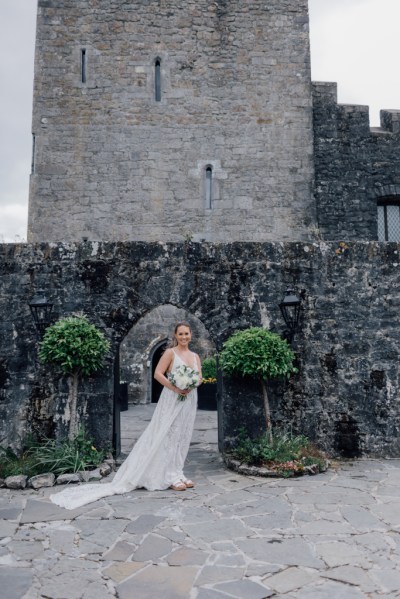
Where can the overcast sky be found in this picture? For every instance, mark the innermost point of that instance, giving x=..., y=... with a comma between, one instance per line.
x=353, y=42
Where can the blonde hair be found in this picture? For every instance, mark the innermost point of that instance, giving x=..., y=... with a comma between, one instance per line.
x=183, y=323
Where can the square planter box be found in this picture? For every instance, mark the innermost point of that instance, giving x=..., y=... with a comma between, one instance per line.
x=207, y=396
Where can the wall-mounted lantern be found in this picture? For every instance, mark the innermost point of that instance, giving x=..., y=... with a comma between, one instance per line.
x=41, y=310
x=290, y=307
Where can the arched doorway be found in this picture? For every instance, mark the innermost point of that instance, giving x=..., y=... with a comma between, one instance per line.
x=142, y=347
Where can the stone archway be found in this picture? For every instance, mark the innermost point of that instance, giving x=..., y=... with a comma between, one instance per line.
x=141, y=347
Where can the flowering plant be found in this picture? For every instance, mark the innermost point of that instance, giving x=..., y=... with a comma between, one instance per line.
x=184, y=377
x=289, y=468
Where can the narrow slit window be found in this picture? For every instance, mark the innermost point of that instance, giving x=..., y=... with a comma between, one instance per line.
x=33, y=153
x=157, y=80
x=209, y=187
x=83, y=65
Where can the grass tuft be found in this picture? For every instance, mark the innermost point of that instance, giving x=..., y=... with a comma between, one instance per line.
x=52, y=456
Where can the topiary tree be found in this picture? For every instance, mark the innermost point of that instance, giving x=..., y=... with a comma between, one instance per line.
x=78, y=348
x=258, y=353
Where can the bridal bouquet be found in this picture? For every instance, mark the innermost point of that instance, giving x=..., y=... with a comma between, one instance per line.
x=184, y=377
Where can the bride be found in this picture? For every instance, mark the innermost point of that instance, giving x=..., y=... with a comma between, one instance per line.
x=156, y=461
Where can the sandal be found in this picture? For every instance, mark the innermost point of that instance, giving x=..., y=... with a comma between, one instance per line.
x=179, y=486
x=188, y=483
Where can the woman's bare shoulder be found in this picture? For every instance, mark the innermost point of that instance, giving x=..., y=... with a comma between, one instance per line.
x=166, y=358
x=168, y=353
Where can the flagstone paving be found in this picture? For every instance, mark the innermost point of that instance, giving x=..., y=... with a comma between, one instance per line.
x=332, y=536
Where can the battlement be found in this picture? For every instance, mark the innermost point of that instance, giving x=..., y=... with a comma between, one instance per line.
x=390, y=120
x=354, y=116
x=355, y=164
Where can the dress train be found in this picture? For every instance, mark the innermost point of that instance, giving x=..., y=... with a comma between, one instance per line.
x=155, y=462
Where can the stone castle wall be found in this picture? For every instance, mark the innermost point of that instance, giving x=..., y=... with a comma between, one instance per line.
x=345, y=395
x=112, y=162
x=354, y=165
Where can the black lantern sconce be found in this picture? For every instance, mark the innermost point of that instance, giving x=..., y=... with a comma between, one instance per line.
x=41, y=310
x=290, y=307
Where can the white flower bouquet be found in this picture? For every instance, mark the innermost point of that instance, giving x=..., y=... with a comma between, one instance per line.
x=185, y=378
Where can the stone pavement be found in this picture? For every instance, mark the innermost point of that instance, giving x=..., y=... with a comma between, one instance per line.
x=332, y=536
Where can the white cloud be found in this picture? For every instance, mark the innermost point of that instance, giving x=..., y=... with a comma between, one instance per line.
x=17, y=42
x=13, y=221
x=355, y=43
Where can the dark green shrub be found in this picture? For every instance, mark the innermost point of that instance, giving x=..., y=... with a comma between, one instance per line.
x=77, y=348
x=209, y=368
x=258, y=353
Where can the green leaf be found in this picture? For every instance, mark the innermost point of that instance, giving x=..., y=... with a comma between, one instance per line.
x=74, y=344
x=257, y=352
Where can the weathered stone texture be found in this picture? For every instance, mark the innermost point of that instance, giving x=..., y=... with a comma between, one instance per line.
x=354, y=165
x=112, y=163
x=345, y=395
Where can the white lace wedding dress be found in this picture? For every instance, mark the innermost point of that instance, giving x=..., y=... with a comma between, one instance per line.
x=156, y=461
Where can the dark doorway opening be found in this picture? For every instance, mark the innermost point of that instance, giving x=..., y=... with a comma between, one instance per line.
x=156, y=387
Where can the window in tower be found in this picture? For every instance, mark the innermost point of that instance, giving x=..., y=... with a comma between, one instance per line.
x=389, y=219
x=157, y=80
x=83, y=65
x=209, y=187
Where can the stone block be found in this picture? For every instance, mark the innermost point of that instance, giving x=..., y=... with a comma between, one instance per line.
x=105, y=469
x=15, y=587
x=170, y=583
x=289, y=580
x=65, y=479
x=16, y=482
x=42, y=480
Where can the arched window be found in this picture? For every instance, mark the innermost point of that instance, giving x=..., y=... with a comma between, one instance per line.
x=389, y=219
x=157, y=80
x=209, y=187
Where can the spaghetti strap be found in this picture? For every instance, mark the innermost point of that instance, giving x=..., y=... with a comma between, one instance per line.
x=195, y=363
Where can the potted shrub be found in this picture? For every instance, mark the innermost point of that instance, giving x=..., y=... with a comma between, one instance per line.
x=77, y=348
x=207, y=392
x=259, y=354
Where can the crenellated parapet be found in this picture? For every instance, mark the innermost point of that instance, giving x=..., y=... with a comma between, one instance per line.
x=355, y=165
x=390, y=121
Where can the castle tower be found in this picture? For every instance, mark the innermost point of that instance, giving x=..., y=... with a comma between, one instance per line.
x=166, y=119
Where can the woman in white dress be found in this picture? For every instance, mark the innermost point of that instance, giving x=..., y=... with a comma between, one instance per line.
x=157, y=459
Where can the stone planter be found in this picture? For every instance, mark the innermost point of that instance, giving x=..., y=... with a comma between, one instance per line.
x=241, y=468
x=207, y=396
